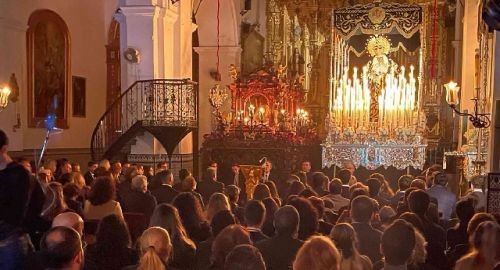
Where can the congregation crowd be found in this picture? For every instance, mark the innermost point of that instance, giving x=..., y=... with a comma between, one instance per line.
x=117, y=215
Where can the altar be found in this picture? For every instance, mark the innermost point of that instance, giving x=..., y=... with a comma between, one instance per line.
x=376, y=118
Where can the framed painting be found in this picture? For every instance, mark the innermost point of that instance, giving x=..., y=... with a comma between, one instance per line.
x=79, y=99
x=48, y=51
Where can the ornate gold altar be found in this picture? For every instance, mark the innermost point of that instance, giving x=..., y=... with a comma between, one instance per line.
x=376, y=115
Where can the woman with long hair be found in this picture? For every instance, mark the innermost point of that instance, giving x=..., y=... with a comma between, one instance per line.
x=226, y=240
x=345, y=239
x=55, y=203
x=192, y=216
x=261, y=192
x=271, y=208
x=167, y=217
x=112, y=247
x=100, y=202
x=155, y=249
x=188, y=184
x=105, y=164
x=317, y=253
x=485, y=248
x=216, y=203
x=274, y=191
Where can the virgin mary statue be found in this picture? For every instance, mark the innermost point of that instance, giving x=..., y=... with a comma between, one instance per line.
x=378, y=67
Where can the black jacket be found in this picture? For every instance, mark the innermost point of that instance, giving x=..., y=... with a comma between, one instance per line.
x=279, y=252
x=164, y=194
x=208, y=187
x=138, y=202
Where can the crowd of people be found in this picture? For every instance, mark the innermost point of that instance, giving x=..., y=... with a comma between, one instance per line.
x=119, y=215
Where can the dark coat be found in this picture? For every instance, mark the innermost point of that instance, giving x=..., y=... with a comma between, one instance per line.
x=138, y=202
x=369, y=240
x=164, y=194
x=208, y=187
x=279, y=252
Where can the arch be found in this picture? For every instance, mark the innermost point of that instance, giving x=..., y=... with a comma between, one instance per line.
x=48, y=51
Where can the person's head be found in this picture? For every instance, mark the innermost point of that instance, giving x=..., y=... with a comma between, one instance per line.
x=91, y=166
x=51, y=165
x=167, y=217
x=130, y=173
x=212, y=173
x=305, y=166
x=190, y=210
x=161, y=166
x=75, y=167
x=25, y=163
x=477, y=219
x=308, y=217
x=216, y=203
x=272, y=189
x=418, y=202
x=373, y=187
x=296, y=187
x=57, y=204
x=261, y=192
x=233, y=193
x=188, y=184
x=440, y=179
x=308, y=192
x=165, y=177
x=244, y=257
x=404, y=181
x=386, y=214
x=212, y=164
x=345, y=176
x=183, y=173
x=102, y=191
x=220, y=221
x=465, y=210
x=345, y=239
x=362, y=209
x=4, y=142
x=149, y=171
x=155, y=249
x=140, y=183
x=61, y=248
x=349, y=165
x=335, y=186
x=318, y=204
x=65, y=167
x=286, y=221
x=226, y=240
x=78, y=179
x=235, y=168
x=112, y=234
x=486, y=239
x=268, y=166
x=418, y=183
x=105, y=164
x=398, y=242
x=319, y=181
x=317, y=253
x=70, y=220
x=255, y=212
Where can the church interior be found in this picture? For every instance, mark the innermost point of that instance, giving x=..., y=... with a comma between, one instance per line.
x=284, y=90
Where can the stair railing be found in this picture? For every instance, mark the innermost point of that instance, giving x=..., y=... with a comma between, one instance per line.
x=160, y=102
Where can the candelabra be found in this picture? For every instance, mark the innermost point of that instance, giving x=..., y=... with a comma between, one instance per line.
x=478, y=120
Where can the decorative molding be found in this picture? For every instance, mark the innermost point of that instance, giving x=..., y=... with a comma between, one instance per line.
x=140, y=10
x=212, y=49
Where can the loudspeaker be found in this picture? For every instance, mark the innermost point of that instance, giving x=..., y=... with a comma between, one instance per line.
x=491, y=14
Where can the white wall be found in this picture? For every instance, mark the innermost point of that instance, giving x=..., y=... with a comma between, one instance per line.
x=88, y=22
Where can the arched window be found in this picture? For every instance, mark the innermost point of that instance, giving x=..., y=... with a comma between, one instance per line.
x=48, y=45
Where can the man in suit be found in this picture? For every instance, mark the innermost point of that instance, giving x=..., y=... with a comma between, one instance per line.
x=89, y=175
x=279, y=252
x=362, y=209
x=255, y=212
x=335, y=195
x=210, y=185
x=139, y=200
x=164, y=193
x=305, y=171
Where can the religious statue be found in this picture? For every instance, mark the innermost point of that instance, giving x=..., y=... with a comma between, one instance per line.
x=378, y=67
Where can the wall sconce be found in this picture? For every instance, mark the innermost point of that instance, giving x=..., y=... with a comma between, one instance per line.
x=478, y=120
x=4, y=97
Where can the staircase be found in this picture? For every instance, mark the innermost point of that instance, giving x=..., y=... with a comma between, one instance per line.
x=166, y=108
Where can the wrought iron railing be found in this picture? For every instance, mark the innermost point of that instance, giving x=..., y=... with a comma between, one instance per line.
x=165, y=102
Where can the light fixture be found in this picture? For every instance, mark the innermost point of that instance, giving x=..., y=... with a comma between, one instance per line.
x=478, y=120
x=4, y=97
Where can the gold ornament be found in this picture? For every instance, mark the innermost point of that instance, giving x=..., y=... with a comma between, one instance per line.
x=376, y=42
